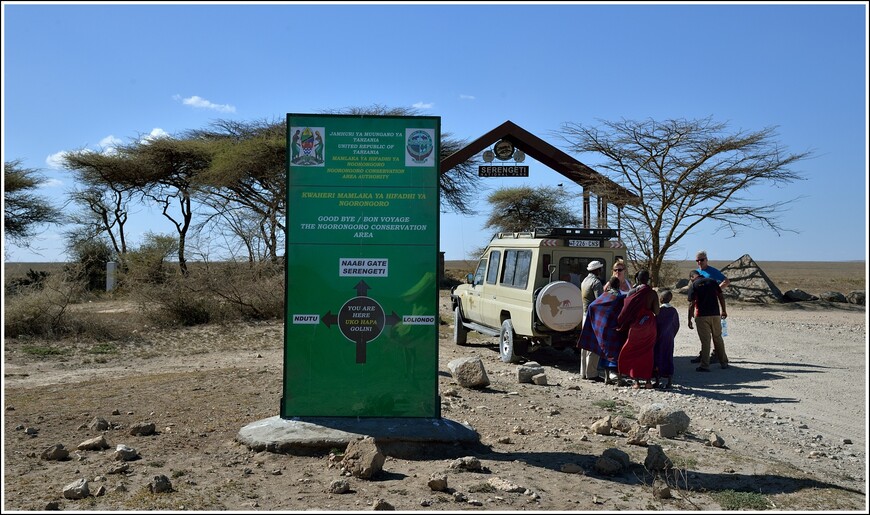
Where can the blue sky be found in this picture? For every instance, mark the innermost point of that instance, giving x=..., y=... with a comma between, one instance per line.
x=87, y=76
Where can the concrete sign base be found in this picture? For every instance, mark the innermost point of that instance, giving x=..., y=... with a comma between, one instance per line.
x=399, y=437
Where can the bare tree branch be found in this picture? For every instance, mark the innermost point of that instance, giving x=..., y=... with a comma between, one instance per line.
x=686, y=173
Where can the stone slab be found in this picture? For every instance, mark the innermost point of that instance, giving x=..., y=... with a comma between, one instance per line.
x=317, y=435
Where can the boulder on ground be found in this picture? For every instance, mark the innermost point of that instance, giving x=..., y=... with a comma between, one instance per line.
x=469, y=372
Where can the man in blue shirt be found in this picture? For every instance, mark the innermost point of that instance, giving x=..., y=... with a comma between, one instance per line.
x=711, y=273
x=708, y=271
x=707, y=307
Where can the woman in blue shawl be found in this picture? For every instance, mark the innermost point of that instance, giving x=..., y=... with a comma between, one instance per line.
x=599, y=333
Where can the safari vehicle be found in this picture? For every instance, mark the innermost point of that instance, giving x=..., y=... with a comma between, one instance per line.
x=521, y=291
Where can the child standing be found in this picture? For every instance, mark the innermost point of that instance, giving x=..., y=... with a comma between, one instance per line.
x=668, y=323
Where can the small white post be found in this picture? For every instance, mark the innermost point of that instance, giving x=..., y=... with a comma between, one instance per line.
x=111, y=266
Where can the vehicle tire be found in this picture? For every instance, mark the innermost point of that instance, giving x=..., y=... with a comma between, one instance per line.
x=507, y=340
x=460, y=332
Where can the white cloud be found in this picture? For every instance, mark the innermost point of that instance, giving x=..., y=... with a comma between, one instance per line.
x=51, y=183
x=196, y=101
x=109, y=144
x=467, y=97
x=424, y=105
x=155, y=133
x=55, y=161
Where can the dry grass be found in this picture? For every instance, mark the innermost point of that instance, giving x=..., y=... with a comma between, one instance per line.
x=813, y=277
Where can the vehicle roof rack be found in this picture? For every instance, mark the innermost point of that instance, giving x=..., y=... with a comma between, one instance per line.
x=515, y=235
x=575, y=232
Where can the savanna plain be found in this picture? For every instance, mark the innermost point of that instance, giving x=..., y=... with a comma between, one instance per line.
x=790, y=413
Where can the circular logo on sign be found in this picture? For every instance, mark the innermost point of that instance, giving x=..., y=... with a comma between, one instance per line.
x=420, y=145
x=504, y=150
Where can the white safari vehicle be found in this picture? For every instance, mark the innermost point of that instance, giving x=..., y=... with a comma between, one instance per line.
x=522, y=291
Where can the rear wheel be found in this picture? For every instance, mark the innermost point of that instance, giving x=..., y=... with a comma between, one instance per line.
x=510, y=345
x=460, y=332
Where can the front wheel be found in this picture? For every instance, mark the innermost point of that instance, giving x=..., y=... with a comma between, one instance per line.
x=460, y=332
x=508, y=341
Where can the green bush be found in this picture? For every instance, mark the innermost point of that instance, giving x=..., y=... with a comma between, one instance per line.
x=147, y=264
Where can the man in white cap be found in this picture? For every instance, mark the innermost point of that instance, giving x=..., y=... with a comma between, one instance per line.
x=590, y=289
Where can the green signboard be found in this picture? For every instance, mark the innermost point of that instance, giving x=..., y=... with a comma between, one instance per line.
x=361, y=328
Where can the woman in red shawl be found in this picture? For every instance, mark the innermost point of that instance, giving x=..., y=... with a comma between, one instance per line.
x=638, y=315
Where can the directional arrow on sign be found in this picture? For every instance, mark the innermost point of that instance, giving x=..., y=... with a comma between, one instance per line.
x=329, y=319
x=392, y=319
x=361, y=288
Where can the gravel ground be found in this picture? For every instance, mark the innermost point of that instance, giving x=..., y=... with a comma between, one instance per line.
x=791, y=411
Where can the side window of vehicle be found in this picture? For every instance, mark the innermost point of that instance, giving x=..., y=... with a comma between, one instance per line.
x=572, y=265
x=481, y=270
x=517, y=265
x=492, y=273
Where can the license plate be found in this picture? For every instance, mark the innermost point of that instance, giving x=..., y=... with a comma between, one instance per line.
x=584, y=243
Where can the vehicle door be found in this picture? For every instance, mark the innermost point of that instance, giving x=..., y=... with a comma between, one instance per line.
x=471, y=304
x=510, y=290
x=490, y=291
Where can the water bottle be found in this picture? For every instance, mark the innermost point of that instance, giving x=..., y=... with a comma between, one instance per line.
x=724, y=327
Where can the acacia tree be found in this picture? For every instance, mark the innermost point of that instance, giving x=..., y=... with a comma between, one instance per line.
x=104, y=199
x=24, y=210
x=167, y=171
x=525, y=208
x=686, y=173
x=246, y=183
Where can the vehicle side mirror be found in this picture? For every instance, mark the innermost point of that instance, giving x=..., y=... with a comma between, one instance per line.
x=469, y=279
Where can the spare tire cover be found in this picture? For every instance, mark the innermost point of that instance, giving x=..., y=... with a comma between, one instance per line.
x=560, y=306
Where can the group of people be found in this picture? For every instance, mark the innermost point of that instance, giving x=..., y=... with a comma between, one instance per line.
x=628, y=331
